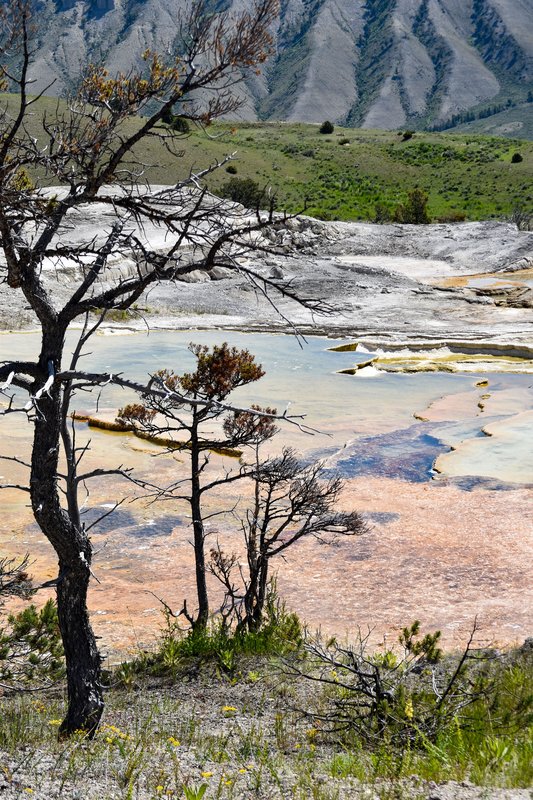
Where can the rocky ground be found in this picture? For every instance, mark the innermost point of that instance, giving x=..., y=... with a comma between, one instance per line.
x=243, y=739
x=395, y=283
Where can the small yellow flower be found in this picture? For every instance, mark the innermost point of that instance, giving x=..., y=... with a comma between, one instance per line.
x=228, y=782
x=55, y=722
x=311, y=734
x=28, y=790
x=228, y=709
x=174, y=742
x=207, y=774
x=243, y=771
x=408, y=710
x=159, y=789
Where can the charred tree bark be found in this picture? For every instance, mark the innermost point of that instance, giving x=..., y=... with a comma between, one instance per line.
x=198, y=528
x=72, y=545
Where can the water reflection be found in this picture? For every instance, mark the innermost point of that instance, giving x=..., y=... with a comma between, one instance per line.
x=302, y=377
x=422, y=525
x=407, y=454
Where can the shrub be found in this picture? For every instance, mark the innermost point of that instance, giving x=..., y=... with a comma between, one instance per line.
x=452, y=216
x=176, y=122
x=326, y=127
x=407, y=135
x=344, y=140
x=522, y=218
x=517, y=158
x=30, y=642
x=280, y=634
x=382, y=213
x=414, y=211
x=30, y=648
x=242, y=190
x=231, y=169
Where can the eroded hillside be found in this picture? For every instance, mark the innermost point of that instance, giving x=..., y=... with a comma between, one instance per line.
x=374, y=63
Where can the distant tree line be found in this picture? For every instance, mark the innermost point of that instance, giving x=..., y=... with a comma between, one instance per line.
x=470, y=116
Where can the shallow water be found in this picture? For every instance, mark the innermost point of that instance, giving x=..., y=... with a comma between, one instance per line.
x=443, y=547
x=302, y=378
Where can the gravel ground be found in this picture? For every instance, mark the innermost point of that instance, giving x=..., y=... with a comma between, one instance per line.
x=241, y=739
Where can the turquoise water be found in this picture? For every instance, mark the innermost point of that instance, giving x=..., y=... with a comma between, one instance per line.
x=301, y=376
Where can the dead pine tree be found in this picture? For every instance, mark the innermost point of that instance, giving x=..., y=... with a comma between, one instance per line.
x=291, y=500
x=193, y=405
x=87, y=149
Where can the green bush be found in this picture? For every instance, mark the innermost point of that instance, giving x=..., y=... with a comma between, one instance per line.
x=31, y=651
x=30, y=642
x=414, y=211
x=242, y=190
x=177, y=123
x=280, y=634
x=326, y=127
x=382, y=213
x=415, y=709
x=517, y=158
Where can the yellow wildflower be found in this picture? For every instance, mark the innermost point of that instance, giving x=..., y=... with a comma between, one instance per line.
x=55, y=722
x=28, y=790
x=207, y=774
x=174, y=742
x=228, y=709
x=242, y=771
x=408, y=710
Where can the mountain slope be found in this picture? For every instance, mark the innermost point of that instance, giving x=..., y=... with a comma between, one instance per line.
x=374, y=63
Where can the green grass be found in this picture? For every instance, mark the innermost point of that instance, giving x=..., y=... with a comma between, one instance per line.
x=462, y=173
x=245, y=737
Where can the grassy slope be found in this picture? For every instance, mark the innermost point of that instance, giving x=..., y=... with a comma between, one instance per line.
x=345, y=181
x=462, y=173
x=243, y=737
x=512, y=122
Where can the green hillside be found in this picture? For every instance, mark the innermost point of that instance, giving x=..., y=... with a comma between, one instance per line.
x=345, y=174
x=516, y=122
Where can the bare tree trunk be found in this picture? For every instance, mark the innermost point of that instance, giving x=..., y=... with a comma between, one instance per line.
x=85, y=698
x=72, y=545
x=250, y=599
x=198, y=528
x=261, y=590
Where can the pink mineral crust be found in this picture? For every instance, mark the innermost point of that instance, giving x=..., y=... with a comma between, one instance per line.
x=450, y=556
x=445, y=556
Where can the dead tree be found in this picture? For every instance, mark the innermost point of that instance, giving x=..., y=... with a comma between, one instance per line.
x=292, y=500
x=88, y=150
x=406, y=695
x=218, y=372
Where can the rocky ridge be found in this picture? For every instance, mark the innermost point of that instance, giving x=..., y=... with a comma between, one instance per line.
x=375, y=63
